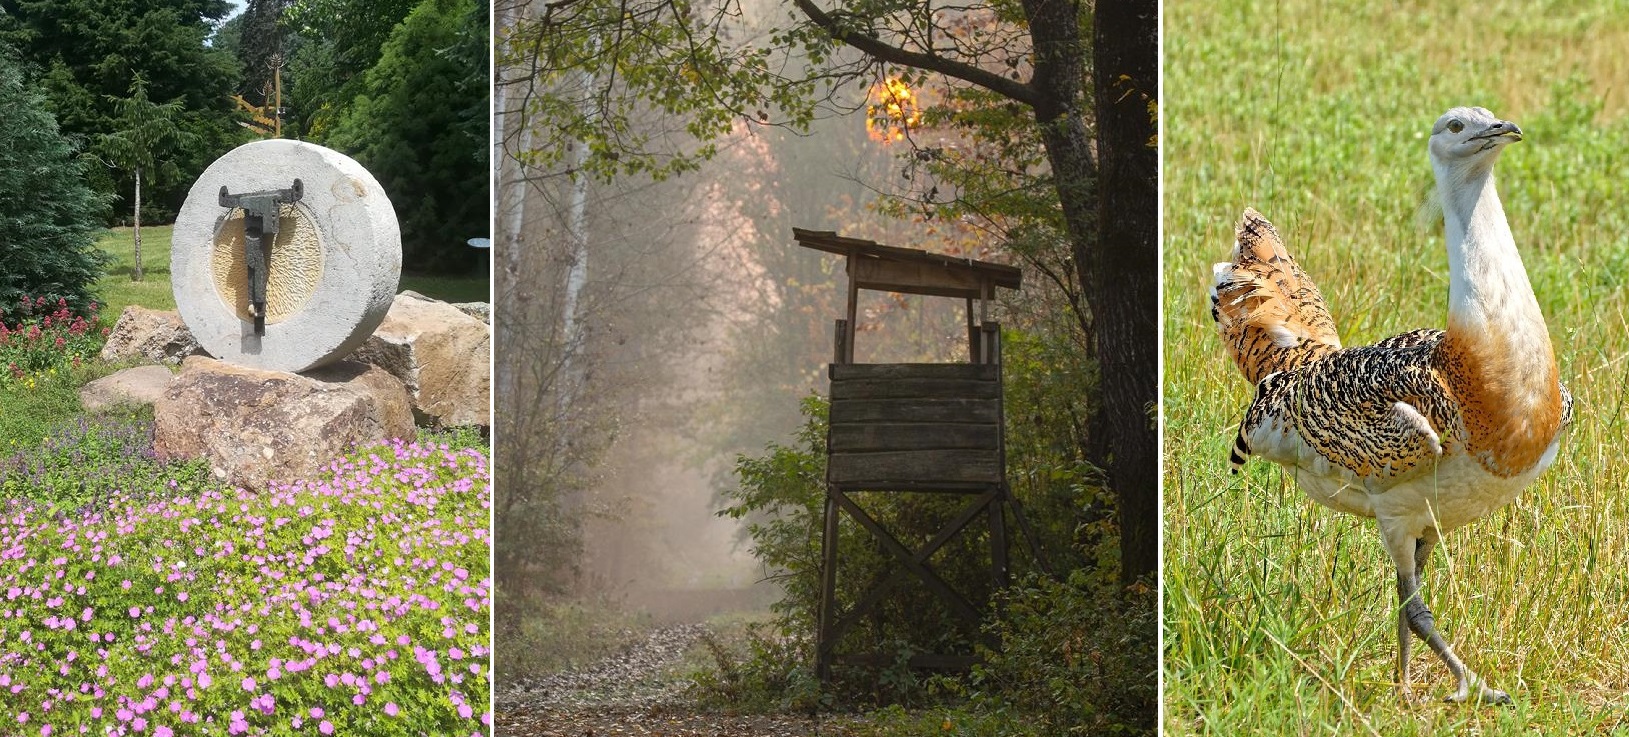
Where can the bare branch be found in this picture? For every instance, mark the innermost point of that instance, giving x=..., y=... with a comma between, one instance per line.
x=878, y=49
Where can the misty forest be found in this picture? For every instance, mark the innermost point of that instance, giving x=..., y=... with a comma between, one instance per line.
x=664, y=342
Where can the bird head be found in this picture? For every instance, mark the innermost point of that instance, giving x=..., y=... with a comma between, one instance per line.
x=1467, y=136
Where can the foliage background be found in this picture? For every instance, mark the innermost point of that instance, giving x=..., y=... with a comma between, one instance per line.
x=49, y=216
x=401, y=86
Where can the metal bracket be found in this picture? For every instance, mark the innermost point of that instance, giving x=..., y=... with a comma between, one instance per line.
x=261, y=218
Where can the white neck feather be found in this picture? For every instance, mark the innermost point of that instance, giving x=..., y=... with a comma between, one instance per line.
x=1488, y=288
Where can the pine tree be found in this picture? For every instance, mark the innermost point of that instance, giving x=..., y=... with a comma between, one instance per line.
x=49, y=216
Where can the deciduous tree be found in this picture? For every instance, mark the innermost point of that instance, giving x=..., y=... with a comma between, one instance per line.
x=88, y=51
x=420, y=126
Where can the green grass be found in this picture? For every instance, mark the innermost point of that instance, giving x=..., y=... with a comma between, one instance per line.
x=26, y=415
x=118, y=291
x=1280, y=615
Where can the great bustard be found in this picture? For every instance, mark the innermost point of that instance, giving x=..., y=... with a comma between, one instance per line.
x=1424, y=431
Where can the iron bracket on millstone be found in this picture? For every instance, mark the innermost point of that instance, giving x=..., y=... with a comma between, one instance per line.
x=261, y=217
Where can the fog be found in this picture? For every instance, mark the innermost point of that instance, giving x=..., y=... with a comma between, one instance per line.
x=695, y=328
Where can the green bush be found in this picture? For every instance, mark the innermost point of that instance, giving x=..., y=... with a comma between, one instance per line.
x=1078, y=658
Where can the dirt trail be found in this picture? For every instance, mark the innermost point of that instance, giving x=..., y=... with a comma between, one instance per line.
x=638, y=691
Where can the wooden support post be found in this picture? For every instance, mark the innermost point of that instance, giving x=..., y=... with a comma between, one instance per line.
x=825, y=642
x=1029, y=534
x=998, y=539
x=840, y=351
x=853, y=311
x=972, y=334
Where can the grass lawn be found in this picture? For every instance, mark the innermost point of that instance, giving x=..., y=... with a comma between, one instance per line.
x=118, y=291
x=1280, y=614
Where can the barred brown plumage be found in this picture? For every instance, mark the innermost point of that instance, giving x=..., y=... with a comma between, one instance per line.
x=1424, y=431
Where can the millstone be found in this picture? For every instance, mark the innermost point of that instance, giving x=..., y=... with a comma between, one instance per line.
x=334, y=257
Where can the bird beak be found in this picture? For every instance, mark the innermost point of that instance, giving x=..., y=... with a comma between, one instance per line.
x=1503, y=131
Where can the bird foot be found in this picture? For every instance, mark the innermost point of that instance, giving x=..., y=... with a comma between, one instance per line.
x=1484, y=694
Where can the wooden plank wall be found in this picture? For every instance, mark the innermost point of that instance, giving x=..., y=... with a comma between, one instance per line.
x=914, y=425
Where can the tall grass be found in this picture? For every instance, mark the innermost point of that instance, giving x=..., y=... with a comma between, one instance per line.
x=1279, y=614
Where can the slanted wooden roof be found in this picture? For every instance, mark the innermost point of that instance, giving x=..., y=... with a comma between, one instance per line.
x=873, y=265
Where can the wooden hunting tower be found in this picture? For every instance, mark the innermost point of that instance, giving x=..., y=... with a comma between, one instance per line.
x=912, y=427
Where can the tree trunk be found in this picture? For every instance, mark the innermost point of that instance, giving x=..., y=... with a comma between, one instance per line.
x=1110, y=209
x=135, y=274
x=1126, y=78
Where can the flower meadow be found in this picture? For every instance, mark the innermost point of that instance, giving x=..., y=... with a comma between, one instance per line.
x=353, y=604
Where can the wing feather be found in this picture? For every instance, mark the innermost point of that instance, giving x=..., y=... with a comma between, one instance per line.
x=1270, y=314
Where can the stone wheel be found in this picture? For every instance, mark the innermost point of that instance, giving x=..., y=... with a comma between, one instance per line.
x=334, y=264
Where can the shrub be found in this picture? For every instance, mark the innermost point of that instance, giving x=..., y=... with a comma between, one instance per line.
x=45, y=342
x=1077, y=659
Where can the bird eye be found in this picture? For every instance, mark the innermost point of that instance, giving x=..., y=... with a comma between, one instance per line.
x=1454, y=126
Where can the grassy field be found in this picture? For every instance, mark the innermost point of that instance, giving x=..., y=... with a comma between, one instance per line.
x=1279, y=614
x=118, y=291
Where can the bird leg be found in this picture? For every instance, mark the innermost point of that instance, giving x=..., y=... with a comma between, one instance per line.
x=1405, y=644
x=1414, y=616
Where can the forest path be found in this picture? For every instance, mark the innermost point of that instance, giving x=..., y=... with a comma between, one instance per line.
x=641, y=690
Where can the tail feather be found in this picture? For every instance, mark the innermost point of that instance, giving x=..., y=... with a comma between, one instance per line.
x=1240, y=453
x=1269, y=312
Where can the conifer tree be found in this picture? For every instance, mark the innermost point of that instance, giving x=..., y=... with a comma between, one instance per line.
x=49, y=216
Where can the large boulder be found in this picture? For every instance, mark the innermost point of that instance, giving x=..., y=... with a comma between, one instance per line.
x=155, y=336
x=443, y=356
x=479, y=310
x=255, y=425
x=133, y=387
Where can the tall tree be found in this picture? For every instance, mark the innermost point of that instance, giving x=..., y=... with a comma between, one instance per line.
x=1126, y=79
x=420, y=126
x=260, y=47
x=49, y=217
x=145, y=139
